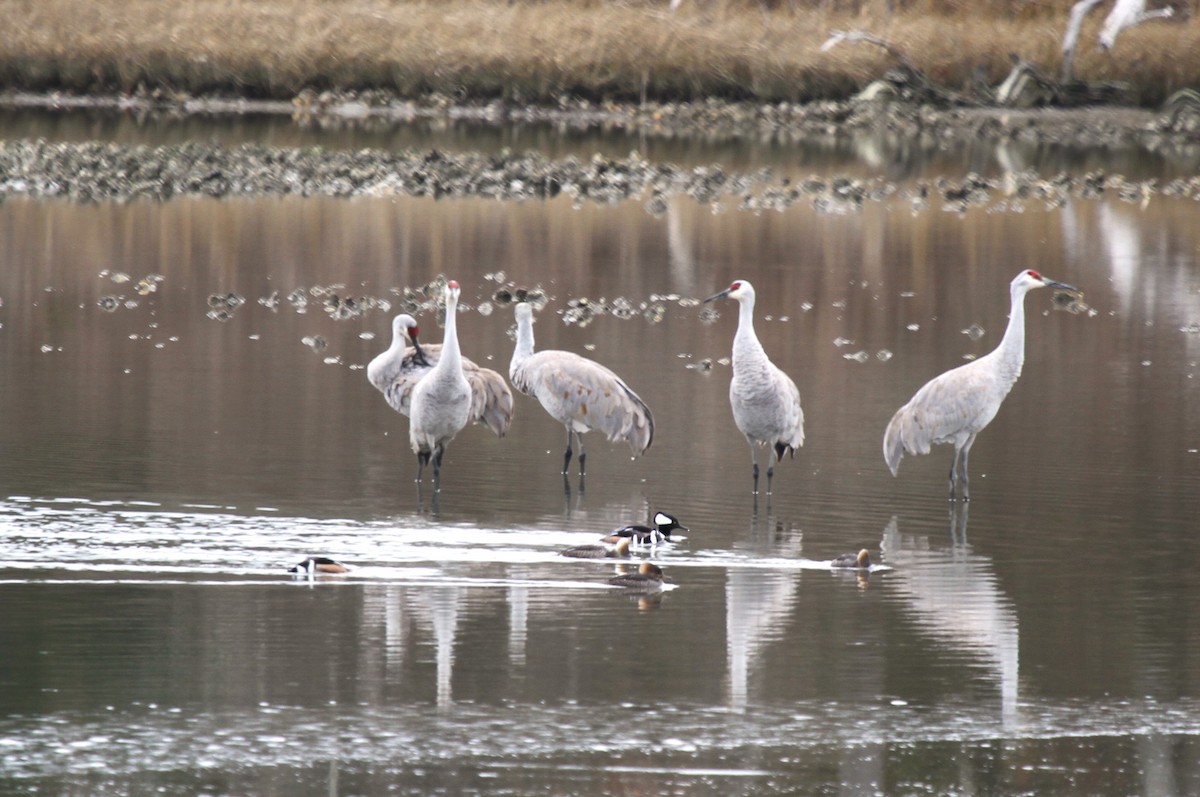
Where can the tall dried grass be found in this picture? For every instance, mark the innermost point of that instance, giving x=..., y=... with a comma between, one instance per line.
x=539, y=50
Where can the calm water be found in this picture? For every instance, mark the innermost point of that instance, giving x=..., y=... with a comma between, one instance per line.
x=162, y=468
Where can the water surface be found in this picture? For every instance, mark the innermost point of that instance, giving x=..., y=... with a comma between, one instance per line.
x=163, y=467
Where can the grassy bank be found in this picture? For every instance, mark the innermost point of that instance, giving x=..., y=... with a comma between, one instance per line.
x=540, y=50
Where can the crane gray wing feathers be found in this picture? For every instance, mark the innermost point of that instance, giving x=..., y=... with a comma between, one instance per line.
x=954, y=405
x=491, y=399
x=793, y=435
x=766, y=406
x=583, y=395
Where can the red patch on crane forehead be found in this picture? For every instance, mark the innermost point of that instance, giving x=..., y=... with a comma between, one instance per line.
x=1034, y=274
x=733, y=286
x=452, y=284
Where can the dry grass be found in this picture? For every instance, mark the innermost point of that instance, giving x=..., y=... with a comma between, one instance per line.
x=537, y=51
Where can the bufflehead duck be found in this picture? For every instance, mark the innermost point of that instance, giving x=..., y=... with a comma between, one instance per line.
x=319, y=564
x=620, y=550
x=664, y=524
x=860, y=560
x=648, y=578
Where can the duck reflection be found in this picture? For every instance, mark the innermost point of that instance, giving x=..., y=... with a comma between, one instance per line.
x=757, y=601
x=955, y=596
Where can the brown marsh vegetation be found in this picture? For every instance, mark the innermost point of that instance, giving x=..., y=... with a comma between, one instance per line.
x=539, y=51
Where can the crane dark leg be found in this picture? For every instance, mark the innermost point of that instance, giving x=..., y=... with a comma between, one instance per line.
x=437, y=467
x=953, y=474
x=567, y=456
x=962, y=470
x=422, y=461
x=582, y=453
x=772, y=458
x=754, y=464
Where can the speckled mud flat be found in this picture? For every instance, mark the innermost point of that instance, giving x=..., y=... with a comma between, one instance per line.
x=98, y=172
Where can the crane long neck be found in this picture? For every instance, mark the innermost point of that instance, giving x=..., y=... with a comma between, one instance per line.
x=745, y=342
x=1011, y=351
x=524, y=347
x=451, y=357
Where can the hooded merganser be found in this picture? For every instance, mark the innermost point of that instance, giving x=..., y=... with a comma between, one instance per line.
x=648, y=578
x=319, y=564
x=860, y=560
x=664, y=524
x=620, y=550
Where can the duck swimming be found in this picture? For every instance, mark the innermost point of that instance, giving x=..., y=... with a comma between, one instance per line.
x=648, y=578
x=664, y=524
x=860, y=560
x=618, y=551
x=319, y=564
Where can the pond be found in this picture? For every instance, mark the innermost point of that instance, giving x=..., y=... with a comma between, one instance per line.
x=166, y=460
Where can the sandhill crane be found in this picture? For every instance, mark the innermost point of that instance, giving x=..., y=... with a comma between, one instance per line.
x=579, y=393
x=765, y=400
x=397, y=371
x=956, y=406
x=441, y=400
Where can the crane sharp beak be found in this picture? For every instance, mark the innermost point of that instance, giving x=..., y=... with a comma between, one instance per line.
x=716, y=296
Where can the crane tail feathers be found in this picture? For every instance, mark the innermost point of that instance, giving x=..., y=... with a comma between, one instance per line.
x=491, y=400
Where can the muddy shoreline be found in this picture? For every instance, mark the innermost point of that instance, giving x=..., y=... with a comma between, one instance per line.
x=1101, y=125
x=99, y=171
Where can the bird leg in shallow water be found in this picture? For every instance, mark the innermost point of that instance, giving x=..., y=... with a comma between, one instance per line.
x=422, y=461
x=437, y=468
x=754, y=465
x=958, y=470
x=572, y=436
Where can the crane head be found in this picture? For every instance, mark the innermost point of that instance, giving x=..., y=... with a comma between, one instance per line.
x=738, y=289
x=405, y=326
x=1029, y=279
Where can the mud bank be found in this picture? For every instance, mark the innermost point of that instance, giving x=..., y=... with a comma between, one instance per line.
x=110, y=172
x=1175, y=126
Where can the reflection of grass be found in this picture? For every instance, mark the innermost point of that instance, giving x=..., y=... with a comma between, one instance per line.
x=539, y=50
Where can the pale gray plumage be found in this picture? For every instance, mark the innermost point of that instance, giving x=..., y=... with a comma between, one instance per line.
x=765, y=400
x=579, y=393
x=396, y=371
x=956, y=406
x=441, y=400
x=1124, y=14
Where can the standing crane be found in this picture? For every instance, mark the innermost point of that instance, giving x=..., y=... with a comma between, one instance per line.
x=397, y=371
x=765, y=400
x=579, y=393
x=441, y=400
x=955, y=406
